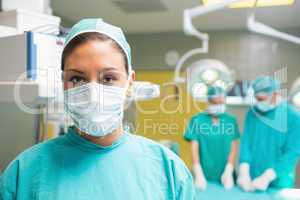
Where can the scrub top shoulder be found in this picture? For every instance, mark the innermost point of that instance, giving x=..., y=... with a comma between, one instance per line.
x=71, y=167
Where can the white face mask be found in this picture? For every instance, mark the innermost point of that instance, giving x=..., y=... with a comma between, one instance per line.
x=96, y=109
x=216, y=109
x=266, y=105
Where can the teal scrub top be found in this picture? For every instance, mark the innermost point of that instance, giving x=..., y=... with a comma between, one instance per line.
x=272, y=140
x=71, y=167
x=214, y=141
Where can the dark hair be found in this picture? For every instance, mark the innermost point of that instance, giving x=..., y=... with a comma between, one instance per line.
x=86, y=37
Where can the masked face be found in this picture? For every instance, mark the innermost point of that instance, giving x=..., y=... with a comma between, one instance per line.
x=216, y=109
x=264, y=103
x=96, y=109
x=96, y=84
x=216, y=106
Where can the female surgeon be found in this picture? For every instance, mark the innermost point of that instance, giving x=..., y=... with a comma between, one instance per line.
x=96, y=159
x=214, y=138
x=270, y=145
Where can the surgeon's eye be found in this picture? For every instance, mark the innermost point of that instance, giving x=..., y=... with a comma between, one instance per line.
x=108, y=79
x=77, y=80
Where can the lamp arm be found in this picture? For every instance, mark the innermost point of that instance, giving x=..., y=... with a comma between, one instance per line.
x=189, y=29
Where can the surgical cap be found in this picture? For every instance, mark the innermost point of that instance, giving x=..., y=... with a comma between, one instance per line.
x=98, y=25
x=213, y=92
x=265, y=84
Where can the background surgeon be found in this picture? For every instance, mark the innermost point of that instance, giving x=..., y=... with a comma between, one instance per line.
x=214, y=138
x=270, y=145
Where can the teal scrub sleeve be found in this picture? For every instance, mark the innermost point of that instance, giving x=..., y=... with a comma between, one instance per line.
x=186, y=191
x=288, y=160
x=8, y=181
x=184, y=186
x=245, y=156
x=190, y=133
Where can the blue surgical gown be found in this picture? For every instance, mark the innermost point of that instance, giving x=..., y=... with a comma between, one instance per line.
x=272, y=140
x=70, y=167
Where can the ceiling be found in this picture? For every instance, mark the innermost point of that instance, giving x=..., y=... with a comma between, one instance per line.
x=142, y=16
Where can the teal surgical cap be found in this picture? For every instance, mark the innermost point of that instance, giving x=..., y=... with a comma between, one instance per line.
x=98, y=25
x=265, y=84
x=213, y=92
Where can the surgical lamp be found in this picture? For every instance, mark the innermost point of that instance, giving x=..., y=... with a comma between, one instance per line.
x=261, y=28
x=205, y=73
x=189, y=29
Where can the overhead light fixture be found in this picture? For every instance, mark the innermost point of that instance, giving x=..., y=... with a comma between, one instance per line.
x=209, y=76
x=221, y=84
x=261, y=28
x=199, y=90
x=205, y=73
x=251, y=3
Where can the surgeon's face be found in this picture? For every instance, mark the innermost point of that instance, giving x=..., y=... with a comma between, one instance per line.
x=262, y=97
x=217, y=100
x=266, y=97
x=95, y=61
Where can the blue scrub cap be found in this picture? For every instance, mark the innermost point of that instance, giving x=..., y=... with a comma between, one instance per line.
x=265, y=84
x=98, y=25
x=214, y=91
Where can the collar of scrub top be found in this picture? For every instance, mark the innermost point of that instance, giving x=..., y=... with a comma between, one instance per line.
x=87, y=145
x=220, y=117
x=97, y=25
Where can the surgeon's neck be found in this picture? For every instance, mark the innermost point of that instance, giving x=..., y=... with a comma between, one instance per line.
x=104, y=140
x=215, y=119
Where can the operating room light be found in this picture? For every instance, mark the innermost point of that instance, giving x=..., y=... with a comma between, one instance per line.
x=210, y=76
x=205, y=73
x=199, y=90
x=221, y=84
x=251, y=3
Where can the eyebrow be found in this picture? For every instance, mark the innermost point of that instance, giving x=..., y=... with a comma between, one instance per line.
x=105, y=69
x=76, y=70
x=108, y=69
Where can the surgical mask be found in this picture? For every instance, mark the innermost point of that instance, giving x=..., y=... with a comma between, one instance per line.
x=266, y=105
x=96, y=109
x=216, y=109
